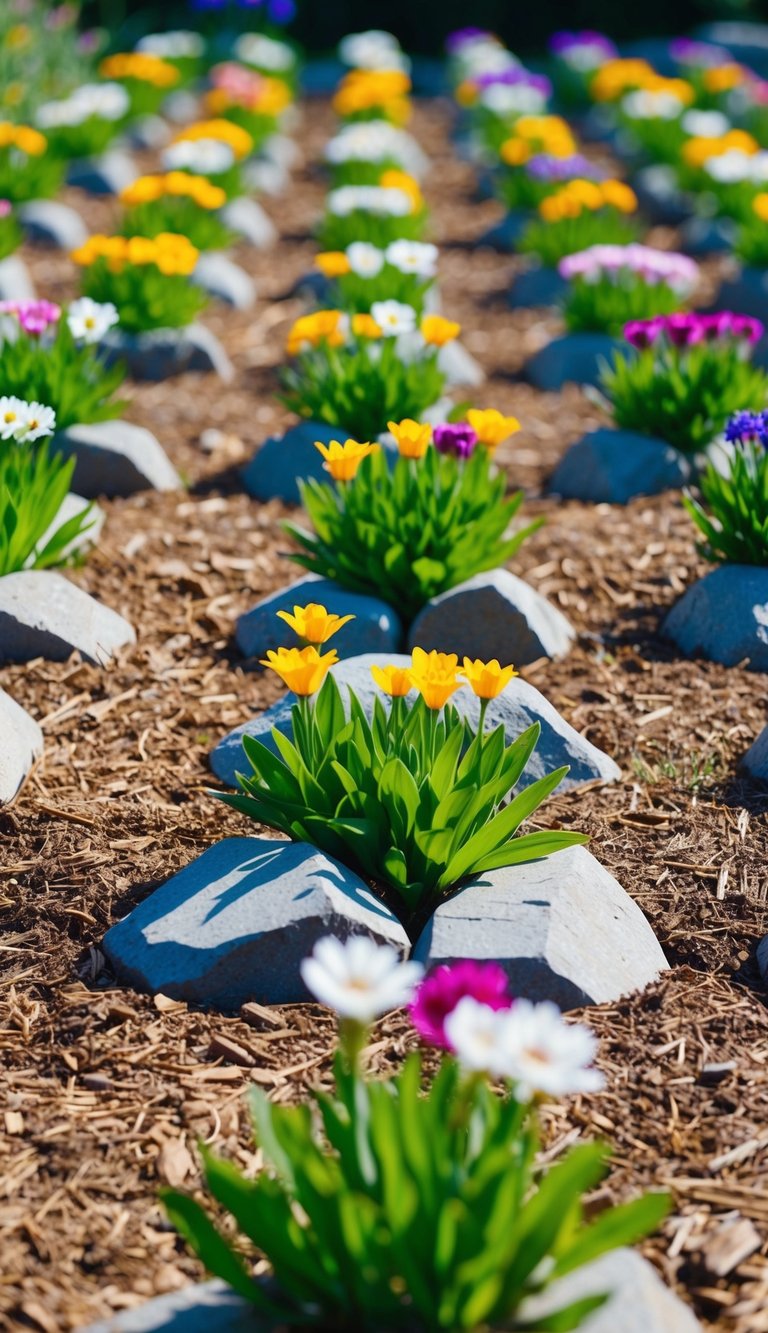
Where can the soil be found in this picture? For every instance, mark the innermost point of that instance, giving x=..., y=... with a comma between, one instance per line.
x=107, y=1091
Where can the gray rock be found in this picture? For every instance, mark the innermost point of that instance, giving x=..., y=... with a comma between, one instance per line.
x=235, y=924
x=182, y=107
x=613, y=466
x=504, y=235
x=275, y=469
x=15, y=280
x=519, y=706
x=660, y=197
x=43, y=614
x=375, y=629
x=724, y=617
x=459, y=366
x=747, y=293
x=577, y=357
x=537, y=287
x=598, y=124
x=314, y=288
x=105, y=175
x=747, y=42
x=755, y=761
x=249, y=220
x=265, y=177
x=494, y=614
x=159, y=354
x=48, y=222
x=222, y=278
x=116, y=458
x=282, y=150
x=150, y=132
x=640, y=1303
x=562, y=928
x=71, y=505
x=708, y=236
x=21, y=743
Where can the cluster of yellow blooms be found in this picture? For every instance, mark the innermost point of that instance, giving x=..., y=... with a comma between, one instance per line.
x=537, y=134
x=722, y=78
x=179, y=184
x=436, y=676
x=170, y=253
x=269, y=98
x=698, y=150
x=617, y=77
x=760, y=206
x=23, y=137
x=579, y=195
x=225, y=131
x=413, y=438
x=332, y=327
x=369, y=89
x=139, y=65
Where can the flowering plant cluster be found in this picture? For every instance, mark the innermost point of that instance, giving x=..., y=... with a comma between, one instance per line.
x=390, y=210
x=44, y=56
x=85, y=122
x=363, y=150
x=251, y=100
x=410, y=1203
x=55, y=360
x=404, y=271
x=497, y=101
x=27, y=169
x=525, y=186
x=267, y=55
x=177, y=202
x=685, y=377
x=580, y=214
x=575, y=57
x=214, y=148
x=145, y=279
x=612, y=284
x=731, y=511
x=416, y=529
x=146, y=78
x=374, y=94
x=180, y=47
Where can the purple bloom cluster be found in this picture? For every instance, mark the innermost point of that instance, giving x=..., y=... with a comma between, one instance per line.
x=687, y=51
x=277, y=11
x=456, y=40
x=564, y=43
x=457, y=438
x=683, y=330
x=654, y=266
x=545, y=167
x=513, y=77
x=748, y=428
x=441, y=991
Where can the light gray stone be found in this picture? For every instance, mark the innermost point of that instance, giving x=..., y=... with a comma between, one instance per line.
x=182, y=107
x=537, y=287
x=15, y=280
x=611, y=466
x=159, y=354
x=517, y=708
x=562, y=928
x=107, y=174
x=282, y=460
x=708, y=236
x=43, y=614
x=248, y=219
x=724, y=617
x=495, y=614
x=222, y=278
x=375, y=629
x=459, y=366
x=577, y=358
x=747, y=293
x=49, y=222
x=71, y=505
x=150, y=132
x=116, y=458
x=21, y=743
x=236, y=923
x=755, y=761
x=747, y=42
x=265, y=177
x=660, y=197
x=505, y=235
x=283, y=150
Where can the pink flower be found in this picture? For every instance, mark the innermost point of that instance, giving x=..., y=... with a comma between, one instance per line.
x=6, y=208
x=438, y=995
x=33, y=316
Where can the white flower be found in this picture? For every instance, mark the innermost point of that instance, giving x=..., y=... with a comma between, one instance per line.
x=368, y=199
x=731, y=167
x=35, y=421
x=204, y=157
x=583, y=56
x=417, y=257
x=375, y=141
x=257, y=49
x=89, y=320
x=107, y=101
x=475, y=1034
x=359, y=979
x=394, y=317
x=505, y=99
x=172, y=45
x=545, y=1054
x=705, y=124
x=484, y=55
x=12, y=412
x=365, y=260
x=642, y=105
x=373, y=49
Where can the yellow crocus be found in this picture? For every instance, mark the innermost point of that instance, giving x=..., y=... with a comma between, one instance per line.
x=437, y=331
x=313, y=623
x=491, y=427
x=487, y=679
x=413, y=438
x=435, y=676
x=303, y=670
x=343, y=460
x=394, y=681
x=311, y=330
x=332, y=263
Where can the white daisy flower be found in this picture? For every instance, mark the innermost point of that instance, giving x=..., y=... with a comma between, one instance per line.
x=394, y=318
x=547, y=1055
x=12, y=412
x=359, y=979
x=705, y=124
x=36, y=421
x=368, y=199
x=203, y=157
x=374, y=49
x=254, y=48
x=89, y=320
x=417, y=257
x=178, y=44
x=365, y=260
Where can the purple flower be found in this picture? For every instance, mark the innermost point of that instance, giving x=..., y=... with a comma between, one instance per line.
x=745, y=326
x=33, y=316
x=454, y=437
x=642, y=333
x=513, y=77
x=455, y=40
x=564, y=43
x=544, y=167
x=687, y=51
x=281, y=11
x=439, y=993
x=747, y=428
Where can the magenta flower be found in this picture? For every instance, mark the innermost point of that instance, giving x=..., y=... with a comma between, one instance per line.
x=33, y=316
x=6, y=208
x=438, y=994
x=642, y=333
x=457, y=438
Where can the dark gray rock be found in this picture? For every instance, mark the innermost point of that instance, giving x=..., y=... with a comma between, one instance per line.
x=15, y=280
x=375, y=629
x=724, y=617
x=71, y=505
x=21, y=743
x=708, y=236
x=236, y=923
x=611, y=466
x=459, y=366
x=159, y=354
x=48, y=222
x=105, y=175
x=755, y=761
x=43, y=614
x=504, y=235
x=660, y=197
x=562, y=928
x=494, y=614
x=747, y=293
x=249, y=220
x=537, y=287
x=517, y=708
x=222, y=278
x=282, y=460
x=116, y=458
x=577, y=357
x=314, y=288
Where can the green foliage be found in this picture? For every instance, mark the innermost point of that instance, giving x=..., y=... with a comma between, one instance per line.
x=552, y=241
x=683, y=397
x=337, y=231
x=733, y=511
x=24, y=176
x=356, y=294
x=10, y=235
x=182, y=216
x=751, y=245
x=361, y=386
x=413, y=531
x=396, y=1209
x=657, y=139
x=258, y=125
x=145, y=297
x=63, y=374
x=146, y=97
x=91, y=137
x=33, y=484
x=410, y=799
x=41, y=56
x=520, y=191
x=357, y=172
x=607, y=305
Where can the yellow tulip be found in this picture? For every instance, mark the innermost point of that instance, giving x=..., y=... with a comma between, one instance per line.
x=491, y=427
x=313, y=623
x=303, y=670
x=437, y=331
x=413, y=438
x=343, y=460
x=487, y=679
x=435, y=676
x=394, y=681
x=311, y=330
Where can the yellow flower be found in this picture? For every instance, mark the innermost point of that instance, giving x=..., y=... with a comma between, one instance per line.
x=401, y=180
x=365, y=326
x=760, y=206
x=395, y=681
x=515, y=152
x=437, y=331
x=343, y=460
x=303, y=670
x=313, y=623
x=141, y=250
x=722, y=78
x=466, y=93
x=364, y=89
x=225, y=131
x=412, y=438
x=332, y=263
x=617, y=76
x=618, y=195
x=140, y=65
x=23, y=137
x=17, y=37
x=435, y=676
x=147, y=189
x=696, y=151
x=311, y=330
x=487, y=679
x=491, y=427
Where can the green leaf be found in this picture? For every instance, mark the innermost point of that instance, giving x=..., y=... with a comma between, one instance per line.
x=209, y=1245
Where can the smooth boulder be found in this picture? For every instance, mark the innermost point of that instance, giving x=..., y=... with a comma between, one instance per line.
x=375, y=628
x=537, y=287
x=495, y=614
x=108, y=174
x=116, y=458
x=21, y=743
x=15, y=280
x=250, y=221
x=505, y=234
x=43, y=614
x=608, y=466
x=724, y=617
x=282, y=461
x=746, y=291
x=755, y=761
x=576, y=358
x=49, y=222
x=158, y=354
x=225, y=280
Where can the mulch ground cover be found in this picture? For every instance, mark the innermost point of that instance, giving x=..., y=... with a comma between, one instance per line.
x=106, y=1091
